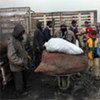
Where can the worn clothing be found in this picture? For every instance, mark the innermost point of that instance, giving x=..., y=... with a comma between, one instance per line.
x=86, y=35
x=21, y=80
x=38, y=42
x=18, y=80
x=17, y=55
x=68, y=35
x=37, y=56
x=92, y=43
x=91, y=48
x=94, y=64
x=89, y=32
x=47, y=33
x=74, y=30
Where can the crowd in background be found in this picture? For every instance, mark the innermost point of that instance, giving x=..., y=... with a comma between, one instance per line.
x=87, y=38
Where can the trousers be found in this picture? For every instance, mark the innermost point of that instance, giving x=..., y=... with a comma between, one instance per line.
x=20, y=80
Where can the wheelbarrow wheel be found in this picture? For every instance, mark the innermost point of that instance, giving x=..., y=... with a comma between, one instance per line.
x=63, y=82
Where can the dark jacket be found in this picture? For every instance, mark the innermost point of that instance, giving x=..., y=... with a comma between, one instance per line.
x=47, y=34
x=38, y=40
x=15, y=50
x=74, y=30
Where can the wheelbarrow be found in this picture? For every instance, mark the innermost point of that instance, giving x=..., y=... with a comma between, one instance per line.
x=63, y=82
x=62, y=66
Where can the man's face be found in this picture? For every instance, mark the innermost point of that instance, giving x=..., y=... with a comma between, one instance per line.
x=50, y=25
x=86, y=24
x=21, y=36
x=63, y=28
x=74, y=24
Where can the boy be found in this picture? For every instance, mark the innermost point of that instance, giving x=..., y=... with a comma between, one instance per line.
x=92, y=44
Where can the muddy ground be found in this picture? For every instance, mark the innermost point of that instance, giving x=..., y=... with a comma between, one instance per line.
x=83, y=86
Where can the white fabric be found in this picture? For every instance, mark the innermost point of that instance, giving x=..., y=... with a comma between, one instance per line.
x=77, y=43
x=61, y=45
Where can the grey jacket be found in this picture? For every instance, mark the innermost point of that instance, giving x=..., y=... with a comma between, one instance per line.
x=15, y=50
x=68, y=35
x=17, y=55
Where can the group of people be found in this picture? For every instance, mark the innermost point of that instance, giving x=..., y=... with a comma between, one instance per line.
x=18, y=57
x=87, y=38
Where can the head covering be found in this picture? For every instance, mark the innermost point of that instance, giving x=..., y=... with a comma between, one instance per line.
x=49, y=23
x=73, y=22
x=86, y=22
x=39, y=25
x=63, y=24
x=63, y=27
x=18, y=31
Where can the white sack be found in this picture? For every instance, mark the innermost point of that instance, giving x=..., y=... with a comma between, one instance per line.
x=61, y=45
x=77, y=43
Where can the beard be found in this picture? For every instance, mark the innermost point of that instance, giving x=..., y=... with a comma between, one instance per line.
x=63, y=30
x=20, y=38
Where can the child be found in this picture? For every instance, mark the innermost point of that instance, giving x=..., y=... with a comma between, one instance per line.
x=92, y=44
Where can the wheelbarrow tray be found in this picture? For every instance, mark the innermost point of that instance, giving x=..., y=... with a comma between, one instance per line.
x=61, y=64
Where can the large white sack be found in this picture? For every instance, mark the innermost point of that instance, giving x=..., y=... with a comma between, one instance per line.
x=61, y=45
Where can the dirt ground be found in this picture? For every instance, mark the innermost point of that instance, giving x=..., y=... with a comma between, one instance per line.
x=83, y=86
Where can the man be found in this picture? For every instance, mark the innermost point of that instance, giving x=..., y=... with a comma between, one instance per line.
x=38, y=43
x=74, y=29
x=18, y=58
x=66, y=34
x=47, y=31
x=88, y=29
x=87, y=33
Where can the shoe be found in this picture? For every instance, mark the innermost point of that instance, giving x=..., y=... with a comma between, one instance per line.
x=20, y=93
x=17, y=94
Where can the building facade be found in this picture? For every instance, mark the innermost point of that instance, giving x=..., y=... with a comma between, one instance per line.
x=67, y=17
